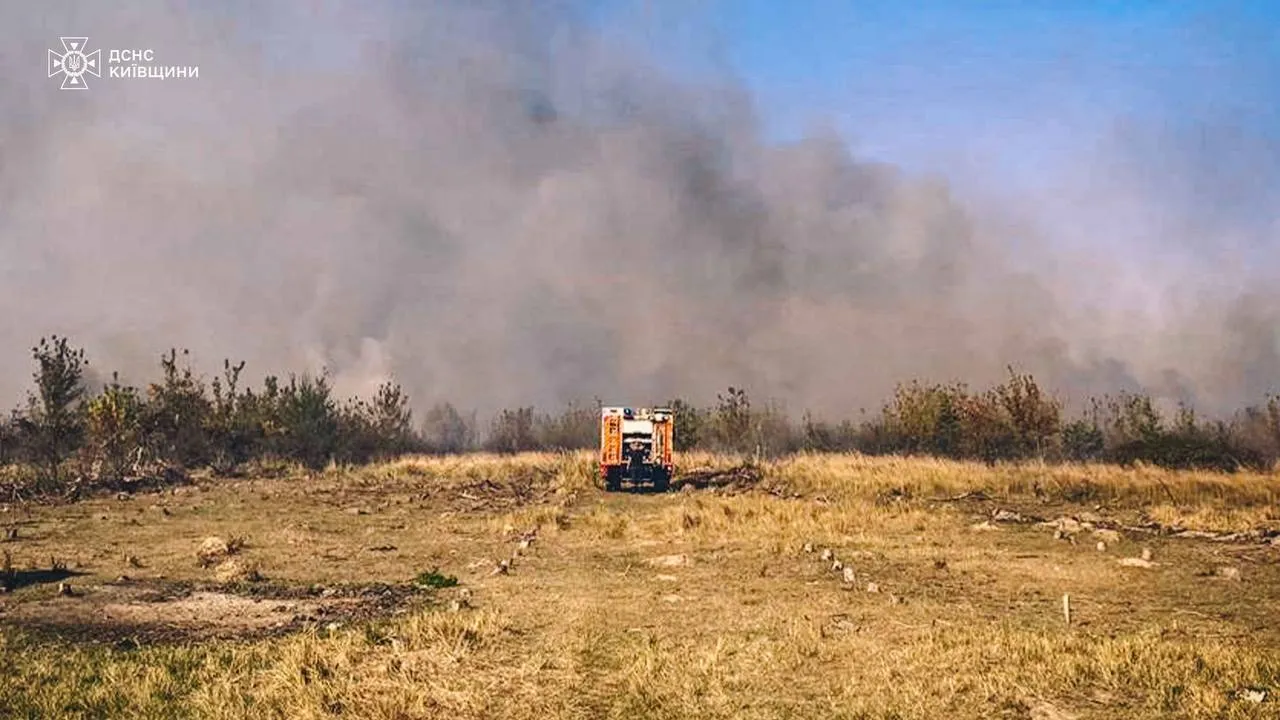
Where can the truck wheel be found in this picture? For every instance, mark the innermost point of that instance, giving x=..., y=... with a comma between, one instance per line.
x=661, y=481
x=613, y=480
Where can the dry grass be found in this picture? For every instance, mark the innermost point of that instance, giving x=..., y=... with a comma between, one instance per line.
x=734, y=620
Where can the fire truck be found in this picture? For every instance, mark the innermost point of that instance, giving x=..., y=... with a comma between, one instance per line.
x=636, y=446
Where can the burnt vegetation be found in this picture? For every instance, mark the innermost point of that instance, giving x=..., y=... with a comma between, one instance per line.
x=69, y=437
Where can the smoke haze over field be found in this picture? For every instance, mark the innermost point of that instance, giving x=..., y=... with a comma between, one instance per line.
x=497, y=208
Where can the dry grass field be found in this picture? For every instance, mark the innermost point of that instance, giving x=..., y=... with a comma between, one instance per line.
x=827, y=586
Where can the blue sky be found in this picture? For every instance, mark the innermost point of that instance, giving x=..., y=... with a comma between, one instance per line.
x=1003, y=85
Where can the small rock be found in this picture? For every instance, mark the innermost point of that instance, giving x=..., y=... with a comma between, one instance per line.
x=233, y=570
x=525, y=543
x=670, y=561
x=1102, y=546
x=1229, y=573
x=808, y=547
x=333, y=626
x=1008, y=516
x=65, y=589
x=1136, y=562
x=687, y=488
x=837, y=566
x=503, y=568
x=849, y=576
x=1257, y=697
x=211, y=550
x=826, y=554
x=984, y=526
x=455, y=606
x=122, y=496
x=1058, y=534
x=873, y=587
x=357, y=511
x=671, y=598
x=1146, y=554
x=1110, y=537
x=666, y=578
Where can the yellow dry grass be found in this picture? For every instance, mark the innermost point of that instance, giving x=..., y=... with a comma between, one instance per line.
x=691, y=604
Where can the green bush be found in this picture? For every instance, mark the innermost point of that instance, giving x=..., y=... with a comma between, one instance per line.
x=690, y=423
x=176, y=415
x=307, y=421
x=114, y=439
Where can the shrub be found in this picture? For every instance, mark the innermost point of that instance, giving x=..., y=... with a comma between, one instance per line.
x=730, y=425
x=233, y=427
x=435, y=579
x=176, y=415
x=306, y=420
x=512, y=431
x=690, y=423
x=1033, y=418
x=575, y=428
x=114, y=431
x=924, y=419
x=821, y=436
x=1083, y=441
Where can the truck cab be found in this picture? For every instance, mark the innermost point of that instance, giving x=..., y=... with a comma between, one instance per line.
x=636, y=445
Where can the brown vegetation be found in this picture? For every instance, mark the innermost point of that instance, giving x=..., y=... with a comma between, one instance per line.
x=717, y=602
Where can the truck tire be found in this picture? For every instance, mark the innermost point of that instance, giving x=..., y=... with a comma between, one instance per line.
x=613, y=479
x=661, y=480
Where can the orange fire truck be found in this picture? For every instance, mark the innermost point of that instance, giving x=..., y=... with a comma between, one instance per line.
x=636, y=445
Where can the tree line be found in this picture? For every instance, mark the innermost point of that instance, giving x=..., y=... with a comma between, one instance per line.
x=68, y=437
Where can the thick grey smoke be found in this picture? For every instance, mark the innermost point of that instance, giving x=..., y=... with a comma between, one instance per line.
x=497, y=206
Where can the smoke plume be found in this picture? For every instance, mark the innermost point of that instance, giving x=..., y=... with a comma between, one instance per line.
x=499, y=206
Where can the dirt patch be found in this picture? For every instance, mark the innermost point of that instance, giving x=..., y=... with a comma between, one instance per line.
x=150, y=612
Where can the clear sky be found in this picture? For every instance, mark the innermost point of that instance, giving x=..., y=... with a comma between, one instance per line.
x=1007, y=85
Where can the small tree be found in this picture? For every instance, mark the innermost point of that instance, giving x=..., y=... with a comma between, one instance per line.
x=177, y=414
x=309, y=421
x=513, y=431
x=233, y=429
x=689, y=428
x=445, y=430
x=1034, y=418
x=392, y=419
x=52, y=427
x=731, y=425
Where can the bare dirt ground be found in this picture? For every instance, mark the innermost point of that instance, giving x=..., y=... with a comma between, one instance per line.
x=813, y=587
x=151, y=612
